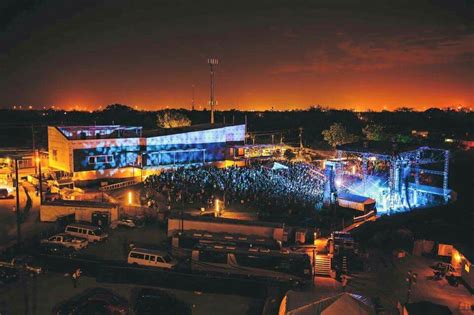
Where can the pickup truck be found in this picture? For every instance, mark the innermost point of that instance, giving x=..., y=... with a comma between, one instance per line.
x=26, y=261
x=66, y=240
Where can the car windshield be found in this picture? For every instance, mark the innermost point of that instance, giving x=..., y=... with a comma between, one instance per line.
x=98, y=232
x=167, y=258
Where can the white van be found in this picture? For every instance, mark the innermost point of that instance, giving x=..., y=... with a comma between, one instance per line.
x=90, y=232
x=151, y=258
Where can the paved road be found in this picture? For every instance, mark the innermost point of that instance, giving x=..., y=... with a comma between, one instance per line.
x=386, y=278
x=50, y=289
x=30, y=225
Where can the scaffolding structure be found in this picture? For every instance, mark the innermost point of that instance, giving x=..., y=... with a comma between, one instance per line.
x=401, y=193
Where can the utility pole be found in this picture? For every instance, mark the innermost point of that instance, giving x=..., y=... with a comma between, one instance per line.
x=246, y=134
x=33, y=137
x=301, y=137
x=212, y=62
x=193, y=100
x=18, y=216
x=38, y=160
x=33, y=144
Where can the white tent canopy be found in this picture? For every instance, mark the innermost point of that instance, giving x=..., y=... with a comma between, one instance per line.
x=345, y=303
x=275, y=166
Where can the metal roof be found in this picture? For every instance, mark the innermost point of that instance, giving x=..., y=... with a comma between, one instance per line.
x=355, y=198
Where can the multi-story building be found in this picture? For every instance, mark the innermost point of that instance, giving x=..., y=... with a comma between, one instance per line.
x=92, y=152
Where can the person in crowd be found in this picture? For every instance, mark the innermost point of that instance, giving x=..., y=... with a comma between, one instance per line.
x=297, y=187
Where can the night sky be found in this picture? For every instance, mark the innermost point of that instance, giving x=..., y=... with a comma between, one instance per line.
x=281, y=54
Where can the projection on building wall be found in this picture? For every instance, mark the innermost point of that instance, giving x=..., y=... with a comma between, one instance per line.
x=194, y=147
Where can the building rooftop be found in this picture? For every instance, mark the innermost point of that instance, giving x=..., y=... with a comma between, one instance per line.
x=81, y=204
x=186, y=216
x=100, y=132
x=378, y=147
x=120, y=131
x=170, y=131
x=355, y=198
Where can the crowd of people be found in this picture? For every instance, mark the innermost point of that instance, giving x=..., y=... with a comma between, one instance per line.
x=295, y=187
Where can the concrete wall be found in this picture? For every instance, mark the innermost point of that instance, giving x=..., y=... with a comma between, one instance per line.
x=58, y=143
x=85, y=214
x=50, y=213
x=125, y=172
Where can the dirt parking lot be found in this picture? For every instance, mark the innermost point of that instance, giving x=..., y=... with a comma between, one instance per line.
x=386, y=278
x=116, y=247
x=50, y=289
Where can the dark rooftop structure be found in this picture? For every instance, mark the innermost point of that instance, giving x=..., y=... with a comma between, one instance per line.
x=387, y=148
x=120, y=131
x=170, y=131
x=426, y=307
x=81, y=203
x=377, y=147
x=100, y=132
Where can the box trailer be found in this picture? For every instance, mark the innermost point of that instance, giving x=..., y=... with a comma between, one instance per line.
x=356, y=202
x=264, y=229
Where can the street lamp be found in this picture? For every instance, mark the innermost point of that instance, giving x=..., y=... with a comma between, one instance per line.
x=217, y=209
x=130, y=197
x=18, y=216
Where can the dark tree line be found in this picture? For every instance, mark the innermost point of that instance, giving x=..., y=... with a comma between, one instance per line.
x=15, y=125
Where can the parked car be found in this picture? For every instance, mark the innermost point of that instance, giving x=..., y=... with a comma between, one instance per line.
x=129, y=223
x=5, y=194
x=8, y=274
x=26, y=261
x=67, y=241
x=153, y=301
x=90, y=232
x=151, y=258
x=56, y=250
x=95, y=301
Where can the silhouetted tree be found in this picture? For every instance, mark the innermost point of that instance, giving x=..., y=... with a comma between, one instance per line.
x=402, y=138
x=375, y=132
x=172, y=119
x=337, y=134
x=404, y=109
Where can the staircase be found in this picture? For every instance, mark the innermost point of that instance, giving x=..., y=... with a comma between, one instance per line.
x=344, y=265
x=119, y=185
x=322, y=265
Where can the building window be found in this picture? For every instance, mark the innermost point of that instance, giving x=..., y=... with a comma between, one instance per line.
x=55, y=155
x=100, y=159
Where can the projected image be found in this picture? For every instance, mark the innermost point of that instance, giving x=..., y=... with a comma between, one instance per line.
x=190, y=148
